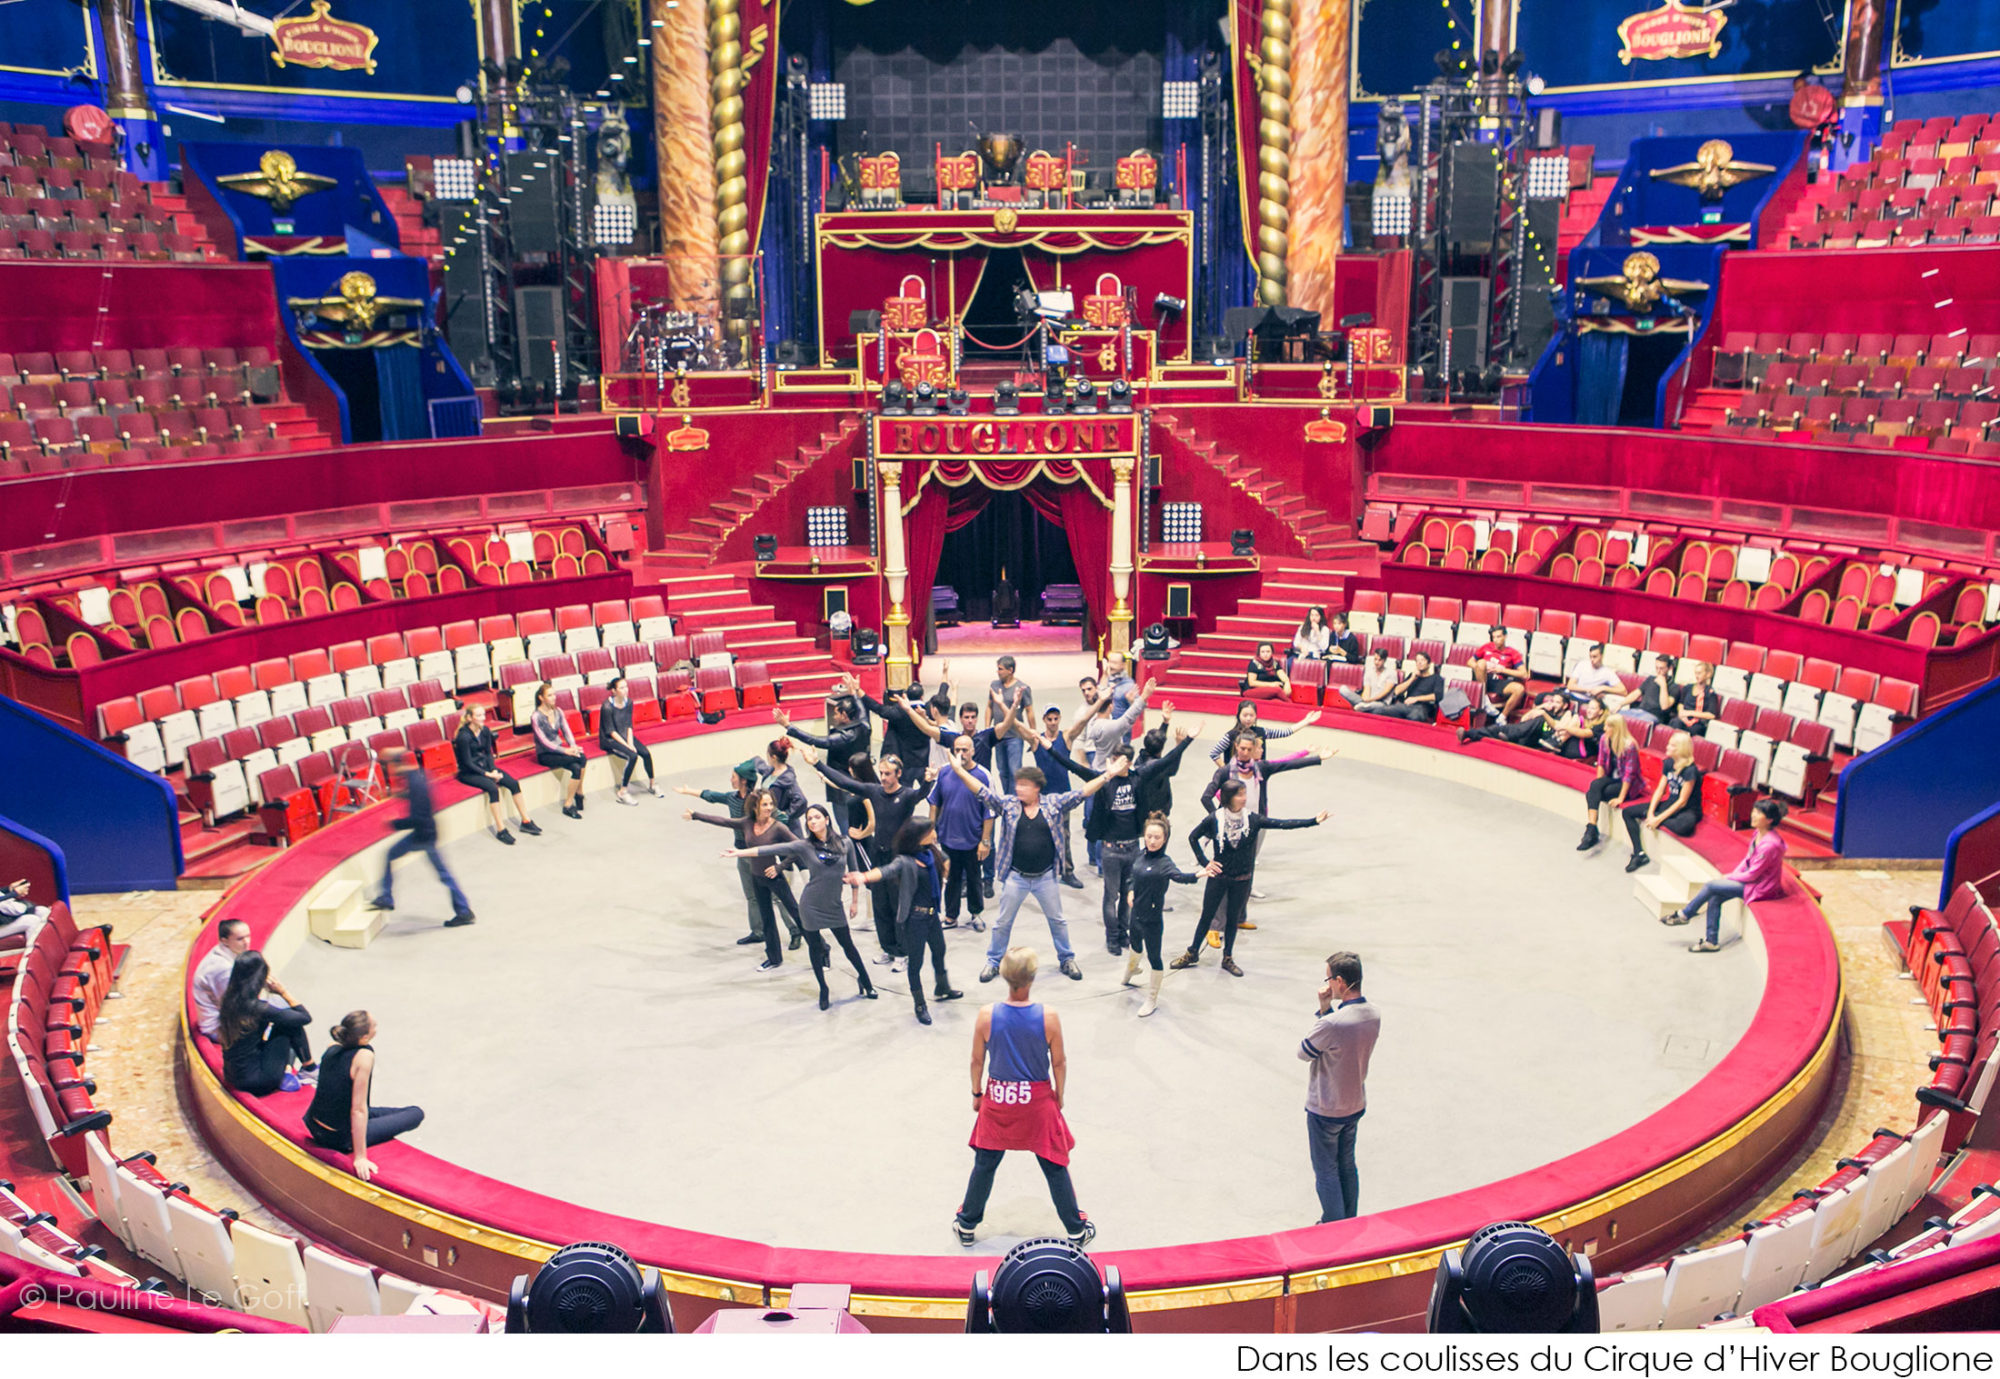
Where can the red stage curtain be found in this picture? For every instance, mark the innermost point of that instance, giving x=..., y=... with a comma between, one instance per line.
x=1088, y=524
x=924, y=528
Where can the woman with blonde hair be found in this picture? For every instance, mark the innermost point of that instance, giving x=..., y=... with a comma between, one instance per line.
x=1675, y=804
x=476, y=750
x=1618, y=776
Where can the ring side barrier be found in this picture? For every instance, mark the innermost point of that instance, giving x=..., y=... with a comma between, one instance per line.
x=45, y=1300
x=1905, y=798
x=117, y=824
x=1624, y=1199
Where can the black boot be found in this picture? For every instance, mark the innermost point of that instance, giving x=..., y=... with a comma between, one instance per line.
x=1639, y=859
x=945, y=992
x=825, y=998
x=1589, y=838
x=923, y=1011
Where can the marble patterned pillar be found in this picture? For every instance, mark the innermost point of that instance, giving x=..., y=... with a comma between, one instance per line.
x=683, y=137
x=1319, y=152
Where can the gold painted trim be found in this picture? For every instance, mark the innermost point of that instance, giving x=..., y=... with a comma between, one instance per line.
x=89, y=67
x=1899, y=60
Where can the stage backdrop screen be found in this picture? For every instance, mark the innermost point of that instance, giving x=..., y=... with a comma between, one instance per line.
x=1576, y=43
x=1049, y=71
x=382, y=49
x=1945, y=31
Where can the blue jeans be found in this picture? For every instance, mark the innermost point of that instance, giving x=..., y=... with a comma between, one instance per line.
x=1006, y=761
x=403, y=847
x=1047, y=890
x=1713, y=895
x=1331, y=1140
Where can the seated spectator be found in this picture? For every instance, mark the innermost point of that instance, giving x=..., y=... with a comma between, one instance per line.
x=1576, y=731
x=1619, y=778
x=476, y=750
x=1414, y=697
x=1675, y=804
x=17, y=915
x=340, y=1117
x=1378, y=681
x=261, y=1038
x=1759, y=876
x=1264, y=677
x=211, y=975
x=1313, y=637
x=1590, y=678
x=1536, y=728
x=1500, y=668
x=1699, y=703
x=1343, y=647
x=615, y=736
x=555, y=747
x=1658, y=697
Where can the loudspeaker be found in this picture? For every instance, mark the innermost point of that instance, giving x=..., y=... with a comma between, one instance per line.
x=1538, y=324
x=628, y=427
x=538, y=329
x=463, y=310
x=1475, y=194
x=1361, y=214
x=1152, y=473
x=1540, y=268
x=1463, y=317
x=262, y=381
x=832, y=599
x=1548, y=129
x=861, y=474
x=534, y=212
x=1239, y=321
x=864, y=322
x=1180, y=600
x=1372, y=416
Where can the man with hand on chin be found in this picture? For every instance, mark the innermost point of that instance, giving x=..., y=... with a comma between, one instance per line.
x=1338, y=1048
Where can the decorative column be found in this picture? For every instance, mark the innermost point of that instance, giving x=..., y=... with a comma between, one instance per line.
x=1121, y=551
x=896, y=569
x=1861, y=93
x=1318, y=184
x=685, y=150
x=1274, y=149
x=125, y=91
x=732, y=164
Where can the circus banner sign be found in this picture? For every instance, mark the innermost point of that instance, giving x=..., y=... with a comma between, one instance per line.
x=320, y=40
x=1673, y=30
x=1077, y=438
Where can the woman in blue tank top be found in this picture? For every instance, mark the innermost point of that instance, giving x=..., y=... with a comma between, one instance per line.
x=1018, y=1071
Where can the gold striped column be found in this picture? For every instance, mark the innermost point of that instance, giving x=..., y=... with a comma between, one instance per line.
x=1274, y=150
x=1318, y=182
x=732, y=165
x=686, y=156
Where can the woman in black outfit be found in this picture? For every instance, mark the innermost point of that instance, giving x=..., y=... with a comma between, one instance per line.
x=822, y=856
x=616, y=738
x=781, y=780
x=1234, y=829
x=1148, y=879
x=261, y=1037
x=917, y=872
x=759, y=827
x=340, y=1117
x=1675, y=804
x=476, y=749
x=555, y=746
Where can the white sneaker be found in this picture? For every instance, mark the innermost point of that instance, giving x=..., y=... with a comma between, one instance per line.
x=885, y=960
x=658, y=793
x=1259, y=895
x=625, y=797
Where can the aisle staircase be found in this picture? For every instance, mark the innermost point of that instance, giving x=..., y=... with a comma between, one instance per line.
x=1579, y=214
x=702, y=541
x=1213, y=663
x=1311, y=531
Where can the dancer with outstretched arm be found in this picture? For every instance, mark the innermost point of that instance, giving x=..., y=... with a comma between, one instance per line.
x=757, y=827
x=822, y=855
x=1148, y=878
x=917, y=873
x=1234, y=830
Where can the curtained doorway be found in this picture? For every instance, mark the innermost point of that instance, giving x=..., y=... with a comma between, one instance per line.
x=1008, y=540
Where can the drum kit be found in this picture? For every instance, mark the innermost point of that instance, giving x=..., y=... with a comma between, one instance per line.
x=664, y=341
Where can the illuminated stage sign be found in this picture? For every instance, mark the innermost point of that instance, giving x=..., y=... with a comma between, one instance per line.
x=1077, y=438
x=319, y=40
x=1672, y=31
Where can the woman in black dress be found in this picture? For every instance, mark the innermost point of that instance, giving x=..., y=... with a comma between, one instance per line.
x=260, y=1036
x=341, y=1117
x=1234, y=828
x=916, y=873
x=822, y=856
x=1150, y=874
x=758, y=827
x=476, y=748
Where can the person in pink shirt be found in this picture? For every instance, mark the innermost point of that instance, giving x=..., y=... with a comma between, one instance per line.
x=1759, y=876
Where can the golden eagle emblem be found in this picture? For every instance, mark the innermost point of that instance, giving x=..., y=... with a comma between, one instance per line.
x=1714, y=170
x=354, y=304
x=277, y=180
x=1639, y=284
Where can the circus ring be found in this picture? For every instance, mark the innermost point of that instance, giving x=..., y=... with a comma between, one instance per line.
x=1626, y=1198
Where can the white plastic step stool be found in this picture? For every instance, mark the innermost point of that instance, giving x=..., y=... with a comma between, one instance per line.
x=337, y=915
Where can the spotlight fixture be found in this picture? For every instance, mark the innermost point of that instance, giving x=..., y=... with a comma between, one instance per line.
x=589, y=1289
x=1489, y=63
x=1006, y=399
x=826, y=526
x=1165, y=305
x=959, y=403
x=766, y=545
x=1048, y=1286
x=1180, y=100
x=454, y=179
x=892, y=396
x=1516, y=60
x=926, y=400
x=827, y=100
x=1153, y=644
x=866, y=646
x=614, y=222
x=1084, y=401
x=1513, y=1279
x=1180, y=523
x=1118, y=397
x=1242, y=541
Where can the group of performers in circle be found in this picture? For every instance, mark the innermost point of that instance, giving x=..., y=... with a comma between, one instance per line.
x=951, y=812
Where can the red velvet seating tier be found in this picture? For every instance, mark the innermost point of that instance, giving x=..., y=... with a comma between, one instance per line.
x=1759, y=1098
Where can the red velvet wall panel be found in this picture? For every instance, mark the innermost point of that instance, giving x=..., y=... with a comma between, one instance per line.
x=49, y=305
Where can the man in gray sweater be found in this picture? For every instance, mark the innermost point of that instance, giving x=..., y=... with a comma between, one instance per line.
x=1338, y=1049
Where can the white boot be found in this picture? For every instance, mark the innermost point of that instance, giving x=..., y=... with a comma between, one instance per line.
x=1131, y=967
x=1152, y=995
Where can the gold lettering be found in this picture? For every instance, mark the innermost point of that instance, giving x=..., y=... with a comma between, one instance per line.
x=954, y=437
x=1055, y=437
x=983, y=438
x=929, y=440
x=904, y=437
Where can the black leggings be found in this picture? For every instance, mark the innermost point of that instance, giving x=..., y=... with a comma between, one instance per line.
x=1525, y=734
x=963, y=878
x=1681, y=825
x=779, y=887
x=274, y=1055
x=479, y=780
x=385, y=1123
x=1147, y=933
x=919, y=930
x=1236, y=890
x=986, y=1162
x=1603, y=790
x=817, y=950
x=560, y=761
x=631, y=756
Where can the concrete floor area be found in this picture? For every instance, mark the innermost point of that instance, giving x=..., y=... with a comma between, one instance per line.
x=598, y=1035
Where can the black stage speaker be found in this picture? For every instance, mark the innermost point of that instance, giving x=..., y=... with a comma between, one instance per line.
x=1152, y=476
x=864, y=322
x=534, y=212
x=1538, y=323
x=538, y=321
x=464, y=307
x=1463, y=303
x=1180, y=600
x=628, y=426
x=1361, y=214
x=1475, y=196
x=861, y=474
x=1548, y=129
x=833, y=599
x=1540, y=268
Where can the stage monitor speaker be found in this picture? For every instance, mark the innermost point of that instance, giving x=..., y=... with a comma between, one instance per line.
x=832, y=599
x=263, y=384
x=534, y=211
x=1538, y=324
x=538, y=326
x=861, y=474
x=1548, y=129
x=628, y=427
x=1180, y=600
x=1239, y=321
x=460, y=225
x=1471, y=213
x=1152, y=476
x=1540, y=268
x=1361, y=214
x=1463, y=303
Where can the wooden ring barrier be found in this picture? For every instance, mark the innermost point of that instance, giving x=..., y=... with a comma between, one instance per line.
x=1627, y=1200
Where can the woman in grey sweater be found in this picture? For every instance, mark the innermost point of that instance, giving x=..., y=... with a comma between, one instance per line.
x=822, y=856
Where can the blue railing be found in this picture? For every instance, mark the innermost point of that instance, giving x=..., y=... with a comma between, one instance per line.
x=117, y=825
x=1905, y=798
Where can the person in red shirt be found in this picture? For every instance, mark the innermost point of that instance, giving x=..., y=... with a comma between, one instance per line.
x=1500, y=668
